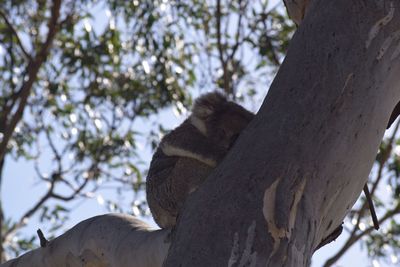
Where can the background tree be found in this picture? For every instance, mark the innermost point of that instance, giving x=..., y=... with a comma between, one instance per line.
x=74, y=86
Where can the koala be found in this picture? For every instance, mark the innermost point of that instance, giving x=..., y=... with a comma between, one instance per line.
x=187, y=155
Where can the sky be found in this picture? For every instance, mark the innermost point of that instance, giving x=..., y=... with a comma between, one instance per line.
x=19, y=194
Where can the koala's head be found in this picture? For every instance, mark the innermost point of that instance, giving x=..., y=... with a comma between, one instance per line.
x=219, y=119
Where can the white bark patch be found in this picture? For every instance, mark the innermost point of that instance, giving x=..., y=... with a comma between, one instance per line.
x=248, y=258
x=386, y=44
x=269, y=212
x=293, y=210
x=379, y=24
x=234, y=251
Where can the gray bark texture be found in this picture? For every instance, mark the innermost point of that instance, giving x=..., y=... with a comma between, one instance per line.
x=301, y=164
x=110, y=240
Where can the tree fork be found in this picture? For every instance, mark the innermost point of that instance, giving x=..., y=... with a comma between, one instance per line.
x=302, y=163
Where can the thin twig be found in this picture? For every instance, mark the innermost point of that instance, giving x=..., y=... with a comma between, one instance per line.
x=54, y=149
x=378, y=178
x=30, y=212
x=73, y=194
x=239, y=26
x=354, y=239
x=32, y=70
x=224, y=62
x=371, y=207
x=15, y=33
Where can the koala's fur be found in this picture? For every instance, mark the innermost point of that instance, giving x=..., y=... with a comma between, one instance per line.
x=188, y=154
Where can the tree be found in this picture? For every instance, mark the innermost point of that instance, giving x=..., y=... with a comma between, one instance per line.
x=335, y=112
x=73, y=88
x=326, y=139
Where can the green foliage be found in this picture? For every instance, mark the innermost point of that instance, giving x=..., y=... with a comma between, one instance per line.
x=109, y=66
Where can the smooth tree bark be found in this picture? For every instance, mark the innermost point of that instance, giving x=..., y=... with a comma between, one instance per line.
x=108, y=240
x=301, y=164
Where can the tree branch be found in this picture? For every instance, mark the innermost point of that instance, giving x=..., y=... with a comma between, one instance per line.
x=29, y=213
x=353, y=235
x=32, y=70
x=73, y=195
x=14, y=32
x=54, y=149
x=224, y=62
x=355, y=238
x=270, y=46
x=239, y=26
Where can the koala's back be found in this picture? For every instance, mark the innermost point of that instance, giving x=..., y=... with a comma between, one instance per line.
x=187, y=155
x=168, y=185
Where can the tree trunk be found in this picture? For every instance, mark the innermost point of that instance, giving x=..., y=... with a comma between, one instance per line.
x=301, y=164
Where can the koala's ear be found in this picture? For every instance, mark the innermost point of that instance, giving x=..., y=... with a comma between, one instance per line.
x=208, y=104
